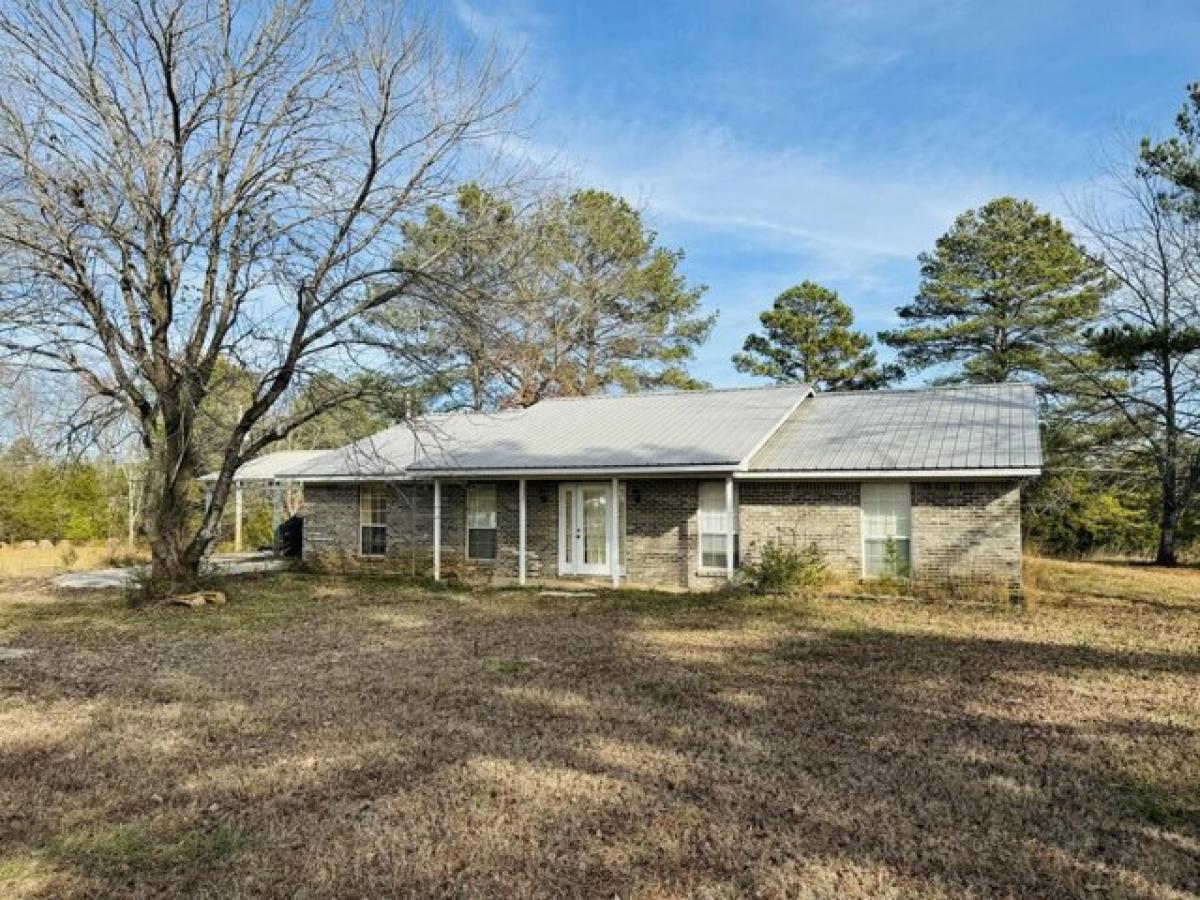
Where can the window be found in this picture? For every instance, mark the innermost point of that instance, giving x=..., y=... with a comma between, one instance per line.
x=887, y=530
x=715, y=524
x=372, y=519
x=481, y=521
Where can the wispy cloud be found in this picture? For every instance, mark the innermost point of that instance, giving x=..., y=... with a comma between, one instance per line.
x=832, y=140
x=845, y=215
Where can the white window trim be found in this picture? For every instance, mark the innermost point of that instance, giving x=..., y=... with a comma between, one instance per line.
x=732, y=516
x=862, y=529
x=362, y=491
x=467, y=521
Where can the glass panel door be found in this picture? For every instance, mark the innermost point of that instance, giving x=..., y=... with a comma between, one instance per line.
x=583, y=528
x=566, y=538
x=593, y=554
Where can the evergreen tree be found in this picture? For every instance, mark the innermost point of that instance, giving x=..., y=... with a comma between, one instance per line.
x=1001, y=285
x=808, y=336
x=633, y=321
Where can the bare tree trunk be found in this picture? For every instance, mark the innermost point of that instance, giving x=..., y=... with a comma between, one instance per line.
x=170, y=475
x=1168, y=520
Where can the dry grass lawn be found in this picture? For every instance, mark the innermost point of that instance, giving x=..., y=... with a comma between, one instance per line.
x=24, y=562
x=327, y=737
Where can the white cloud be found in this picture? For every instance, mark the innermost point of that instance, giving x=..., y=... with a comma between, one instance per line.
x=847, y=217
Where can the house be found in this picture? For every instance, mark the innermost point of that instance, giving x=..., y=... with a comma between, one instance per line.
x=676, y=490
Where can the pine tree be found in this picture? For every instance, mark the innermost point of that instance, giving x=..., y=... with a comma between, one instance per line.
x=808, y=336
x=1003, y=283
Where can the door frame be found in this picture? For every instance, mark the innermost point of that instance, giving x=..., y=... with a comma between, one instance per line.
x=571, y=533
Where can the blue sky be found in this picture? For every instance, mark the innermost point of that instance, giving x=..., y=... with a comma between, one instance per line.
x=834, y=140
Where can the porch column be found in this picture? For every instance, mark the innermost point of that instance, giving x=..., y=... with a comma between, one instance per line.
x=275, y=501
x=237, y=517
x=614, y=541
x=437, y=530
x=729, y=526
x=521, y=531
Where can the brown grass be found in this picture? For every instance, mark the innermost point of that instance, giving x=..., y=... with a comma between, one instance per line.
x=334, y=737
x=24, y=562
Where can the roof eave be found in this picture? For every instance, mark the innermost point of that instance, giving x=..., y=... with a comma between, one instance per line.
x=574, y=471
x=892, y=474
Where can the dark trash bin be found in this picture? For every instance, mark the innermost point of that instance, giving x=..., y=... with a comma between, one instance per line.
x=291, y=537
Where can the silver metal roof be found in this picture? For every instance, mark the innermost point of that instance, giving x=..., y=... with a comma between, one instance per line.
x=719, y=428
x=952, y=428
x=271, y=466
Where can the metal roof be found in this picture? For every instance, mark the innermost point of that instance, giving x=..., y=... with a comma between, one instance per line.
x=271, y=466
x=716, y=429
x=976, y=427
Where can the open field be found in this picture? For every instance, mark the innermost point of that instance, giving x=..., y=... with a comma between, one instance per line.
x=41, y=561
x=324, y=737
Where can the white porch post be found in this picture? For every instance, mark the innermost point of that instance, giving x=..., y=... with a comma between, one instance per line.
x=275, y=503
x=133, y=509
x=614, y=541
x=437, y=530
x=729, y=526
x=237, y=518
x=521, y=531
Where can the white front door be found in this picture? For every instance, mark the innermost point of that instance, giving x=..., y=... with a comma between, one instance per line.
x=584, y=538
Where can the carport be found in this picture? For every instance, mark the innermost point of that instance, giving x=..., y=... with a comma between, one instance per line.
x=268, y=471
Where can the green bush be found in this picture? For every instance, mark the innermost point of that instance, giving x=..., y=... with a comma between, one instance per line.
x=786, y=569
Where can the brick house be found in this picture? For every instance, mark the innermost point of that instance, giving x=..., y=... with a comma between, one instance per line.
x=675, y=490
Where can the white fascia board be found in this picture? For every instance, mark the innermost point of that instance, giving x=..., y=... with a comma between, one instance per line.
x=745, y=464
x=885, y=474
x=601, y=472
x=324, y=479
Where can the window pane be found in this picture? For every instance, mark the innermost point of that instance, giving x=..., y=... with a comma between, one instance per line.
x=374, y=540
x=879, y=562
x=481, y=543
x=886, y=511
x=712, y=551
x=481, y=506
x=372, y=504
x=712, y=507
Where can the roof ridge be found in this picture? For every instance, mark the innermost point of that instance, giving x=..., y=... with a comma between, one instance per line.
x=676, y=392
x=926, y=389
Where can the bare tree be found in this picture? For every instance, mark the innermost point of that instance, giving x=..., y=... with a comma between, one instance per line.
x=183, y=181
x=1136, y=373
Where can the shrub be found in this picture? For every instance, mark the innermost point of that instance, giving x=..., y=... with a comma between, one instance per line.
x=68, y=555
x=145, y=588
x=786, y=569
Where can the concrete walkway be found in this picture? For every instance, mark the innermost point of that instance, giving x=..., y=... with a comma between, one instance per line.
x=224, y=564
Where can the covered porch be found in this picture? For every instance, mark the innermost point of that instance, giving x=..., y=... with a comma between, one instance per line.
x=588, y=527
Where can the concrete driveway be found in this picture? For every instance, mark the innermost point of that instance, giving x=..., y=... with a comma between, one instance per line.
x=223, y=564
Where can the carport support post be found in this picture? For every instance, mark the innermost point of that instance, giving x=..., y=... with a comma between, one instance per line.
x=521, y=532
x=437, y=530
x=729, y=526
x=237, y=517
x=614, y=541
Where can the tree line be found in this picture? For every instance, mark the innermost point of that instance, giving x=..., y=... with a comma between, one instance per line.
x=1106, y=326
x=230, y=227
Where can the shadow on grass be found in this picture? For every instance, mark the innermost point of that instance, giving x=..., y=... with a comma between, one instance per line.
x=613, y=744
